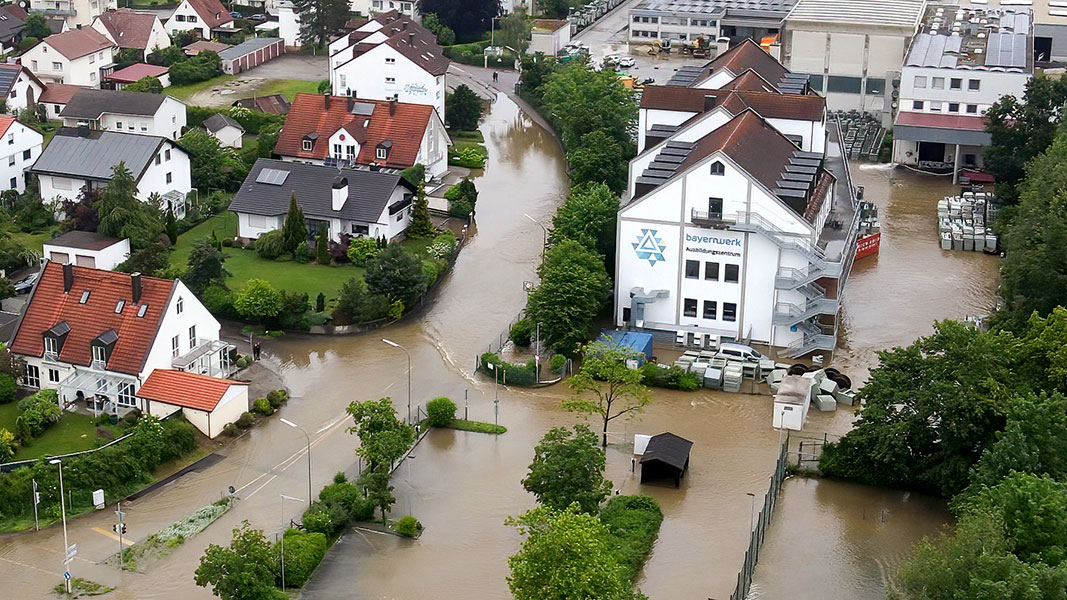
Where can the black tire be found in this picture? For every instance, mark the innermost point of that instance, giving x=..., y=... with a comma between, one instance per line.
x=797, y=369
x=844, y=382
x=831, y=372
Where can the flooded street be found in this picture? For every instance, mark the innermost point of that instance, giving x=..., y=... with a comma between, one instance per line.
x=829, y=539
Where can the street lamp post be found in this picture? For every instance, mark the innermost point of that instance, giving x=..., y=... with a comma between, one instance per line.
x=63, y=511
x=408, y=354
x=282, y=538
x=496, y=393
x=308, y=438
x=544, y=243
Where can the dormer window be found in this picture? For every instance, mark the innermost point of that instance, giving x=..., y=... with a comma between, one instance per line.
x=309, y=141
x=54, y=338
x=382, y=153
x=99, y=355
x=51, y=347
x=717, y=168
x=307, y=145
x=102, y=347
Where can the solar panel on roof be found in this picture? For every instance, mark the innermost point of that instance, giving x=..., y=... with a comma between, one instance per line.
x=272, y=176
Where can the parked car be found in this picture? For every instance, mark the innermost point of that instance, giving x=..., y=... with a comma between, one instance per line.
x=24, y=285
x=258, y=17
x=739, y=351
x=236, y=14
x=627, y=61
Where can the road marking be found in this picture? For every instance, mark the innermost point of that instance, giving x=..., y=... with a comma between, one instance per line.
x=113, y=535
x=21, y=564
x=291, y=460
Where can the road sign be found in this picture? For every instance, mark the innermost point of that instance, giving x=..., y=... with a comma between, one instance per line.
x=120, y=515
x=66, y=575
x=98, y=499
x=72, y=550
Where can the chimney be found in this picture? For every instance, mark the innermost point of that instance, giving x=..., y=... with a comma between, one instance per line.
x=83, y=129
x=326, y=100
x=709, y=102
x=68, y=277
x=340, y=192
x=135, y=284
x=411, y=38
x=392, y=106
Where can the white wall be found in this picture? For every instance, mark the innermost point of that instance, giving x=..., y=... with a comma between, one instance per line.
x=167, y=122
x=372, y=7
x=155, y=177
x=84, y=10
x=19, y=149
x=288, y=24
x=106, y=259
x=185, y=12
x=433, y=151
x=58, y=189
x=549, y=42
x=373, y=77
x=174, y=324
x=42, y=60
x=647, y=117
x=21, y=90
x=252, y=226
x=992, y=85
x=229, y=136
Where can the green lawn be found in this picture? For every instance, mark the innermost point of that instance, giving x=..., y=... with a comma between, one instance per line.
x=33, y=241
x=246, y=264
x=48, y=130
x=184, y=92
x=287, y=87
x=72, y=433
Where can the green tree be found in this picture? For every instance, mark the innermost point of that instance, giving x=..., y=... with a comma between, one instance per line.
x=573, y=288
x=1021, y=130
x=421, y=226
x=598, y=159
x=205, y=266
x=355, y=304
x=588, y=217
x=168, y=56
x=258, y=300
x=567, y=555
x=536, y=69
x=929, y=411
x=122, y=215
x=267, y=139
x=463, y=109
x=581, y=100
x=379, y=492
x=383, y=437
x=322, y=246
x=1031, y=510
x=468, y=18
x=319, y=19
x=170, y=227
x=557, y=9
x=568, y=468
x=294, y=230
x=1032, y=442
x=149, y=84
x=212, y=165
x=396, y=274
x=36, y=27
x=444, y=34
x=604, y=386
x=515, y=31
x=243, y=571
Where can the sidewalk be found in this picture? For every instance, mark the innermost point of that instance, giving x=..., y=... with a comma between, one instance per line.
x=481, y=81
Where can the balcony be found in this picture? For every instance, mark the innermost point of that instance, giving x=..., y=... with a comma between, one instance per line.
x=703, y=218
x=207, y=357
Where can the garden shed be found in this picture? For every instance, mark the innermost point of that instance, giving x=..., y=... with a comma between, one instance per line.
x=665, y=460
x=209, y=403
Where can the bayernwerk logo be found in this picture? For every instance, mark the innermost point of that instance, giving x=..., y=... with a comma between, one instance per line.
x=649, y=247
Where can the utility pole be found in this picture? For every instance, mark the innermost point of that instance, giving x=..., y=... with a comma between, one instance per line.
x=120, y=528
x=465, y=417
x=67, y=555
x=36, y=500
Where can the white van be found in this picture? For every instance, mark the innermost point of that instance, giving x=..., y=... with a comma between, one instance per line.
x=739, y=352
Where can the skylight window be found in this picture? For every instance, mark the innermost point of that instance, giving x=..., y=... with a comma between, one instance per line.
x=85, y=297
x=118, y=307
x=141, y=310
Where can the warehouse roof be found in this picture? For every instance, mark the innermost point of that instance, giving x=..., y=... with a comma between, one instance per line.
x=898, y=13
x=973, y=39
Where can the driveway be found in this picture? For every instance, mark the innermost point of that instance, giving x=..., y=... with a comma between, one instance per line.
x=293, y=66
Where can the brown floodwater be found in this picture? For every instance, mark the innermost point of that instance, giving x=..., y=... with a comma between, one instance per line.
x=462, y=486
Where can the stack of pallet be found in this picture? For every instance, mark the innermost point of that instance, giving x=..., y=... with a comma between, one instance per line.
x=964, y=222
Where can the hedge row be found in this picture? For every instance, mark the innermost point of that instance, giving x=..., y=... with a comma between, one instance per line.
x=634, y=522
x=521, y=375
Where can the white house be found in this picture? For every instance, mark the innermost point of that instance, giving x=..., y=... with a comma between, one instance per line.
x=390, y=57
x=127, y=76
x=209, y=403
x=408, y=8
x=87, y=249
x=549, y=36
x=96, y=336
x=950, y=78
x=201, y=16
x=342, y=131
x=19, y=87
x=55, y=97
x=20, y=146
x=130, y=29
x=347, y=201
x=80, y=158
x=78, y=57
x=138, y=113
x=289, y=24
x=225, y=129
x=75, y=13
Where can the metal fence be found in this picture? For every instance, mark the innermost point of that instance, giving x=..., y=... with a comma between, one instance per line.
x=744, y=577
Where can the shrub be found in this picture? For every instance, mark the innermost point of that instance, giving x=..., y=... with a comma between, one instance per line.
x=7, y=388
x=522, y=333
x=442, y=245
x=230, y=429
x=262, y=406
x=277, y=398
x=37, y=413
x=513, y=374
x=339, y=477
x=303, y=253
x=130, y=419
x=246, y=420
x=362, y=249
x=440, y=412
x=318, y=521
x=408, y=526
x=460, y=208
x=335, y=513
x=303, y=552
x=672, y=377
x=242, y=362
x=7, y=445
x=271, y=245
x=557, y=362
x=218, y=300
x=633, y=522
x=347, y=495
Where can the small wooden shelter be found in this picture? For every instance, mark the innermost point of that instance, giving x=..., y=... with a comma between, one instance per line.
x=666, y=460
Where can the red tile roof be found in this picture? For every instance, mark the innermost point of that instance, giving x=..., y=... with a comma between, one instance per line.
x=405, y=128
x=770, y=105
x=5, y=122
x=939, y=121
x=78, y=42
x=212, y=12
x=137, y=72
x=60, y=93
x=49, y=305
x=129, y=28
x=749, y=55
x=189, y=390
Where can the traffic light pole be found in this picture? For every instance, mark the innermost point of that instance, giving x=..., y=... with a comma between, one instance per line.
x=120, y=528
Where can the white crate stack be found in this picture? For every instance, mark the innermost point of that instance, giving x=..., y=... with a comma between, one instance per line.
x=964, y=222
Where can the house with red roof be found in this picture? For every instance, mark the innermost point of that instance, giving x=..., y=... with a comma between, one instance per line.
x=95, y=336
x=201, y=16
x=390, y=57
x=78, y=57
x=344, y=131
x=209, y=403
x=19, y=148
x=133, y=30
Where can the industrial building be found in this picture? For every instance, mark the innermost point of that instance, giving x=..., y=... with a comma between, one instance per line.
x=686, y=20
x=960, y=63
x=851, y=49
